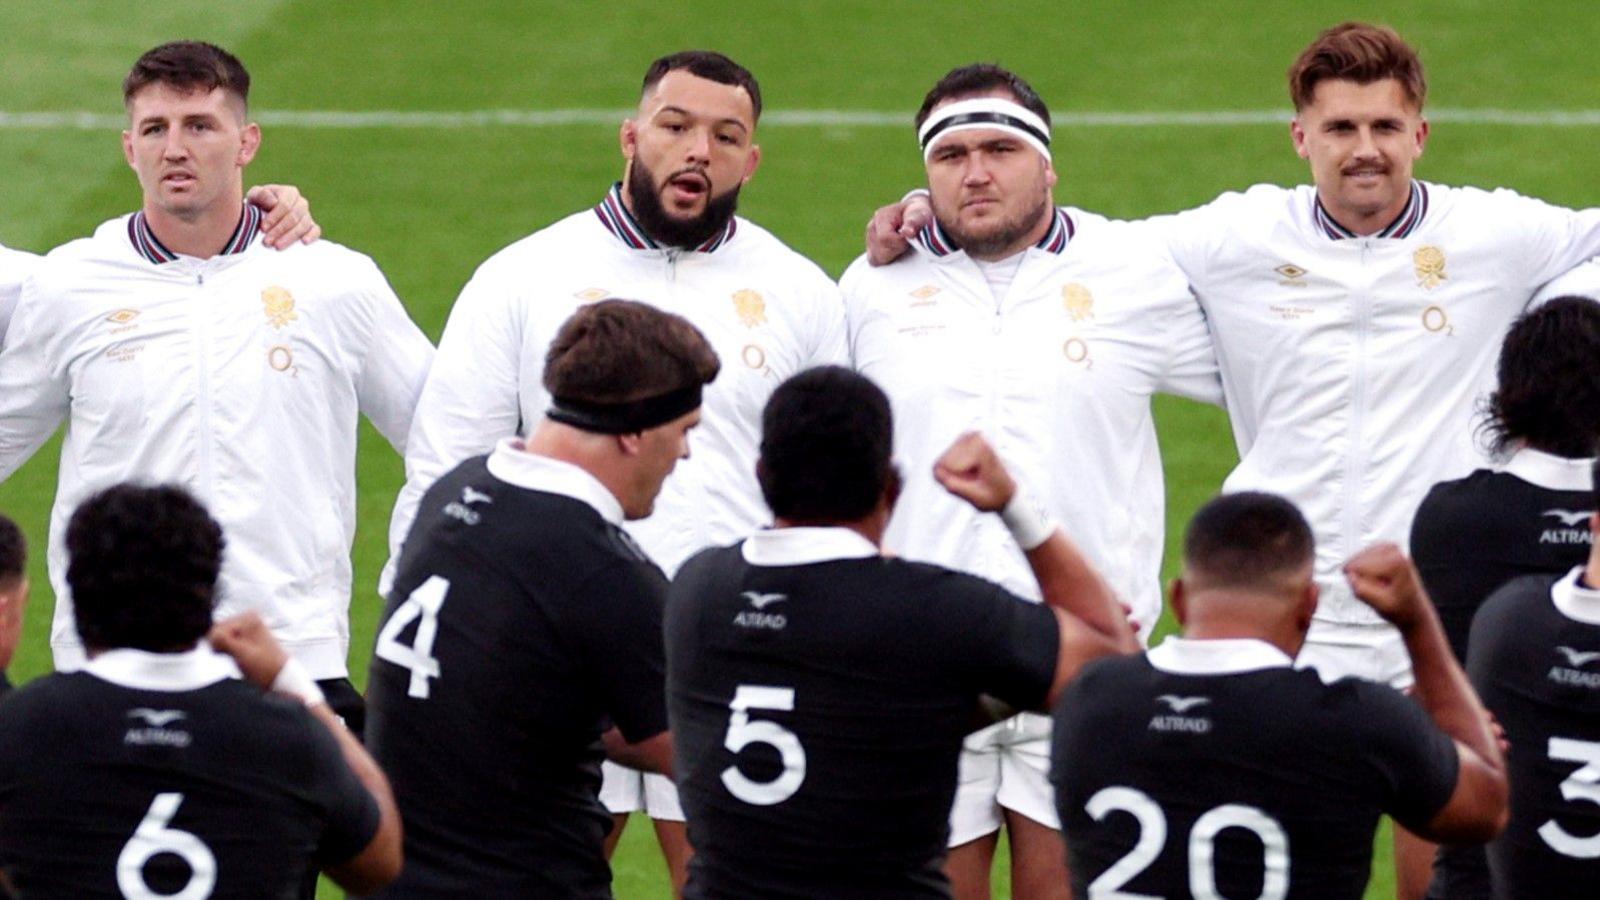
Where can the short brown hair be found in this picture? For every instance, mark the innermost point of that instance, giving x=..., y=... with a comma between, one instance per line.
x=710, y=65
x=1356, y=51
x=619, y=351
x=188, y=66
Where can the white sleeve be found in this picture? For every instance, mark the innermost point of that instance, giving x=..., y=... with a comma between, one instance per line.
x=396, y=364
x=34, y=387
x=1555, y=239
x=1189, y=237
x=830, y=348
x=854, y=305
x=15, y=267
x=1192, y=369
x=1584, y=281
x=471, y=398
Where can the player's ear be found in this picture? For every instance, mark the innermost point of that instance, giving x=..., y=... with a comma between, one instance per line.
x=249, y=143
x=628, y=139
x=751, y=163
x=630, y=444
x=1297, y=134
x=127, y=148
x=1180, y=602
x=1307, y=607
x=1422, y=136
x=891, y=490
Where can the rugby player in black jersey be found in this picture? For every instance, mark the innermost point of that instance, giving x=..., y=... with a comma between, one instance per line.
x=1529, y=515
x=522, y=617
x=1210, y=767
x=1535, y=658
x=154, y=771
x=819, y=691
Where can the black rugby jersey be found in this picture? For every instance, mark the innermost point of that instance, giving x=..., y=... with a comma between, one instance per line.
x=1475, y=534
x=1538, y=670
x=519, y=620
x=1214, y=765
x=819, y=699
x=1470, y=537
x=136, y=787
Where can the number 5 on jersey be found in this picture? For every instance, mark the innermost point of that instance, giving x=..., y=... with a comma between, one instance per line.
x=742, y=732
x=424, y=603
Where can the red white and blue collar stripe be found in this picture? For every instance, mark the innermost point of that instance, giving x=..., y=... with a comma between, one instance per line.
x=1403, y=225
x=939, y=243
x=150, y=247
x=617, y=220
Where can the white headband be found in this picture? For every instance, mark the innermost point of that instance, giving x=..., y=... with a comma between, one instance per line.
x=985, y=112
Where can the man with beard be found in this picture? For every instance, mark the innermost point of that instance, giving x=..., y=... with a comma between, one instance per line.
x=666, y=235
x=1048, y=330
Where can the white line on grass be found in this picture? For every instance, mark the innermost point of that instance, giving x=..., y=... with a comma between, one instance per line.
x=544, y=118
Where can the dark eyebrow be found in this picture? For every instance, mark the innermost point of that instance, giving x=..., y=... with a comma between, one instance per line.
x=684, y=112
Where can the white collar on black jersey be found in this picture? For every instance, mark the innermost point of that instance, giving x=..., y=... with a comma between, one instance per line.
x=146, y=671
x=1578, y=603
x=516, y=466
x=1555, y=473
x=1181, y=656
x=803, y=546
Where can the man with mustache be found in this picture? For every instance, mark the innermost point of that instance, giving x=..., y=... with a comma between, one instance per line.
x=1356, y=321
x=665, y=235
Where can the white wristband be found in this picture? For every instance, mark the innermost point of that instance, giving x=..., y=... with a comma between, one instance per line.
x=1027, y=520
x=294, y=681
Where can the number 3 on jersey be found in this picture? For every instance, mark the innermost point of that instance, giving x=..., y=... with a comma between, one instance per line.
x=424, y=604
x=1581, y=786
x=743, y=732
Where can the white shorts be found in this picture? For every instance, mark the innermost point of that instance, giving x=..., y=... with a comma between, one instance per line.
x=625, y=790
x=1005, y=765
x=1374, y=652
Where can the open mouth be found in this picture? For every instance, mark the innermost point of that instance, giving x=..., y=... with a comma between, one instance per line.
x=688, y=187
x=177, y=179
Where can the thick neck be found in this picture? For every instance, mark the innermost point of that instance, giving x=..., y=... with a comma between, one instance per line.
x=871, y=528
x=203, y=235
x=1226, y=615
x=1365, y=225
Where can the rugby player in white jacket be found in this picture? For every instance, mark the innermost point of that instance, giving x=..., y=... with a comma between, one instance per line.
x=1357, y=321
x=181, y=350
x=666, y=235
x=1048, y=330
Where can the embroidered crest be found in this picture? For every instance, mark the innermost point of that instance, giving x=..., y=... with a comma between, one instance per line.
x=1429, y=261
x=751, y=307
x=1078, y=301
x=278, y=304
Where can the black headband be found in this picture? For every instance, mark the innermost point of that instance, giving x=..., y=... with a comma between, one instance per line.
x=625, y=418
x=995, y=118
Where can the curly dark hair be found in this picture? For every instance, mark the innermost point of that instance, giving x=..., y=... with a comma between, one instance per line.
x=826, y=441
x=1549, y=393
x=13, y=552
x=142, y=565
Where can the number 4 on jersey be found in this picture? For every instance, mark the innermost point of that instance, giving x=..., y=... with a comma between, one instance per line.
x=424, y=604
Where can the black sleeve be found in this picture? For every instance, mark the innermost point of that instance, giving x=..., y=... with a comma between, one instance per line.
x=349, y=811
x=1416, y=762
x=619, y=628
x=5, y=684
x=1006, y=645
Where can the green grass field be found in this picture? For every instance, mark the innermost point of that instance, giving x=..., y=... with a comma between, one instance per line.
x=430, y=203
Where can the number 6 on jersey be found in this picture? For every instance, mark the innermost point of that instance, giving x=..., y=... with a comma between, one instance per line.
x=743, y=732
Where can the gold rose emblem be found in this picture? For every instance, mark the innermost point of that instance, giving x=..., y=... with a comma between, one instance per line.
x=751, y=307
x=279, y=306
x=1078, y=301
x=1429, y=261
